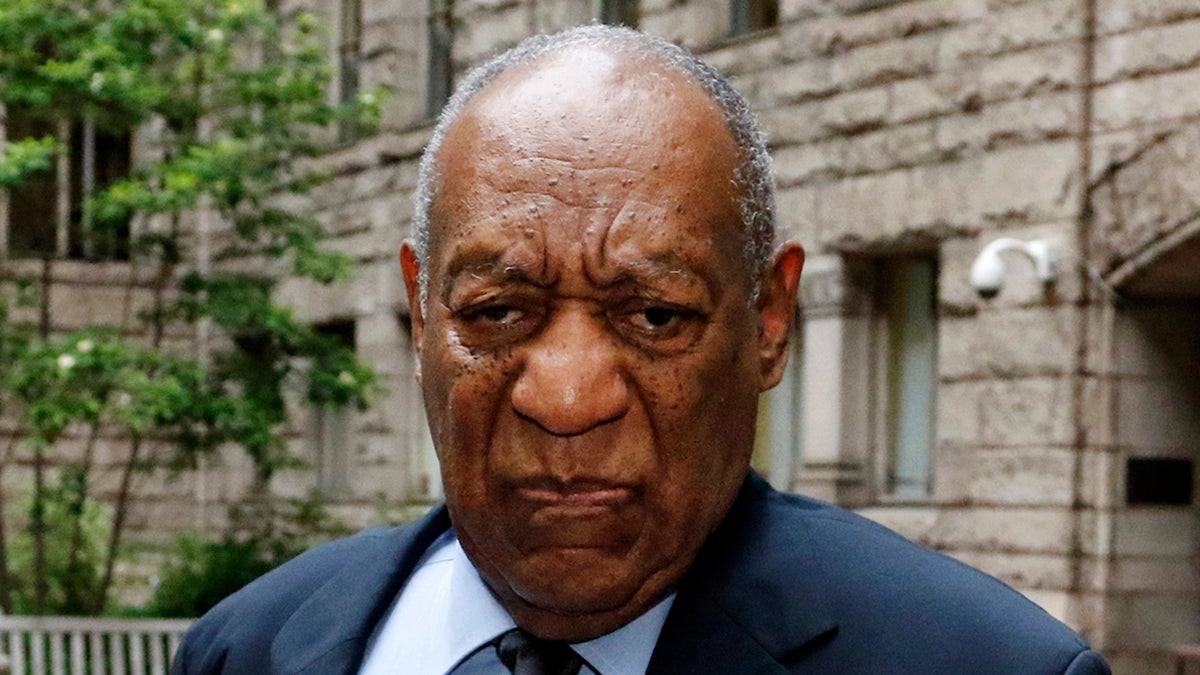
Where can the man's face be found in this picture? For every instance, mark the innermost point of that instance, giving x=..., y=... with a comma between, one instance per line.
x=589, y=352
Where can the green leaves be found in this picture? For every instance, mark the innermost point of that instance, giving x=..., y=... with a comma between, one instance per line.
x=228, y=105
x=93, y=377
x=71, y=567
x=23, y=157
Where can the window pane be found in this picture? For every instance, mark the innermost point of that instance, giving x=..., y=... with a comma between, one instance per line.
x=31, y=206
x=752, y=15
x=348, y=62
x=619, y=12
x=333, y=426
x=910, y=296
x=779, y=443
x=112, y=158
x=441, y=67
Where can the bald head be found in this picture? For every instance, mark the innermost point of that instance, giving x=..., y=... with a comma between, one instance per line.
x=577, y=58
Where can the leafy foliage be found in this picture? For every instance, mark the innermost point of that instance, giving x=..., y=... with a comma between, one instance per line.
x=232, y=103
x=264, y=535
x=70, y=585
x=23, y=157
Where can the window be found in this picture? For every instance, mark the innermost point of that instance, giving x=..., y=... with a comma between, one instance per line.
x=619, y=12
x=440, y=81
x=49, y=214
x=906, y=296
x=779, y=443
x=332, y=427
x=867, y=387
x=751, y=15
x=425, y=476
x=349, y=46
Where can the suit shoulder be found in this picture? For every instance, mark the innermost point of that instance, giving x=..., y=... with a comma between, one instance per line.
x=891, y=591
x=244, y=624
x=906, y=573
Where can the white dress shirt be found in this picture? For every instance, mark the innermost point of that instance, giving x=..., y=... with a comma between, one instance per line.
x=445, y=617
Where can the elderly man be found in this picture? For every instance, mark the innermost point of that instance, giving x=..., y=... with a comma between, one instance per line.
x=598, y=302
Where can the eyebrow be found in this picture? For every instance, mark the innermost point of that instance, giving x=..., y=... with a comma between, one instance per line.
x=664, y=265
x=482, y=258
x=486, y=262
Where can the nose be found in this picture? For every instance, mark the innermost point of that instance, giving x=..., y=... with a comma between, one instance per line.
x=571, y=380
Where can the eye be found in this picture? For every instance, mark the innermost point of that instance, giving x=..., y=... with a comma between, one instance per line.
x=500, y=314
x=657, y=317
x=495, y=322
x=658, y=326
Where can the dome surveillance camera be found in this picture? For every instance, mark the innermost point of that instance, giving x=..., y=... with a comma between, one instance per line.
x=987, y=276
x=987, y=272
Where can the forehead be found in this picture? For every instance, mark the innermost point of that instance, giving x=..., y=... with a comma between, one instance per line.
x=593, y=130
x=587, y=97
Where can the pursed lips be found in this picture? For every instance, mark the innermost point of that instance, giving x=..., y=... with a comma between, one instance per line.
x=578, y=514
x=576, y=497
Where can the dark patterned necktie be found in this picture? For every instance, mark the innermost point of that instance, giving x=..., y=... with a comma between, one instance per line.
x=524, y=654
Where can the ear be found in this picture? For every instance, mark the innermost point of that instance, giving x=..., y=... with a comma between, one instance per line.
x=410, y=266
x=777, y=311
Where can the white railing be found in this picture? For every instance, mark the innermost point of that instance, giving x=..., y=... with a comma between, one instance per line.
x=59, y=645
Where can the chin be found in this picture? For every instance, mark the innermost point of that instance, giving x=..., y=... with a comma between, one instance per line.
x=577, y=581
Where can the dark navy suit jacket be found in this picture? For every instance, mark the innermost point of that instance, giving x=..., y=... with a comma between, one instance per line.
x=786, y=584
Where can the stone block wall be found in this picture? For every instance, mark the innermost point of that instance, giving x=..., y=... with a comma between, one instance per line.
x=898, y=127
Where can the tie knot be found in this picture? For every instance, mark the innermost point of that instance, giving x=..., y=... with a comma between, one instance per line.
x=524, y=654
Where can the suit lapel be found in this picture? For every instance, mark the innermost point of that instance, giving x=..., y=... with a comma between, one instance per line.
x=747, y=605
x=328, y=633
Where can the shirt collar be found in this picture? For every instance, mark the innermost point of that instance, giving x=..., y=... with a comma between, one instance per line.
x=483, y=619
x=628, y=648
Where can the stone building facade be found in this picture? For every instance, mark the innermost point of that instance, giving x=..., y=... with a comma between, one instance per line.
x=1046, y=434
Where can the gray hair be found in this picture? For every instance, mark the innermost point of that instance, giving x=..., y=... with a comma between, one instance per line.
x=752, y=177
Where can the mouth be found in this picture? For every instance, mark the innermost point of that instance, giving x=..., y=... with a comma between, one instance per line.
x=584, y=516
x=551, y=496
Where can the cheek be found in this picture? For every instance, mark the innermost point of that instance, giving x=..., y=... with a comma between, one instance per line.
x=704, y=418
x=464, y=392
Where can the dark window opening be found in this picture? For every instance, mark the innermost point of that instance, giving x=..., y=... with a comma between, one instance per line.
x=33, y=204
x=619, y=13
x=441, y=65
x=751, y=15
x=349, y=50
x=333, y=426
x=1158, y=481
x=97, y=157
x=342, y=330
x=111, y=159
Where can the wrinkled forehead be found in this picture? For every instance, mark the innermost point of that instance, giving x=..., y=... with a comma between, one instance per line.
x=590, y=96
x=593, y=110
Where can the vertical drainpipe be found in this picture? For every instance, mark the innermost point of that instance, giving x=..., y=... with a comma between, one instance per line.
x=4, y=229
x=1091, y=621
x=62, y=190
x=87, y=187
x=205, y=223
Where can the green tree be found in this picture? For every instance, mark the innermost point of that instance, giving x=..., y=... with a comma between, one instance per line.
x=233, y=102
